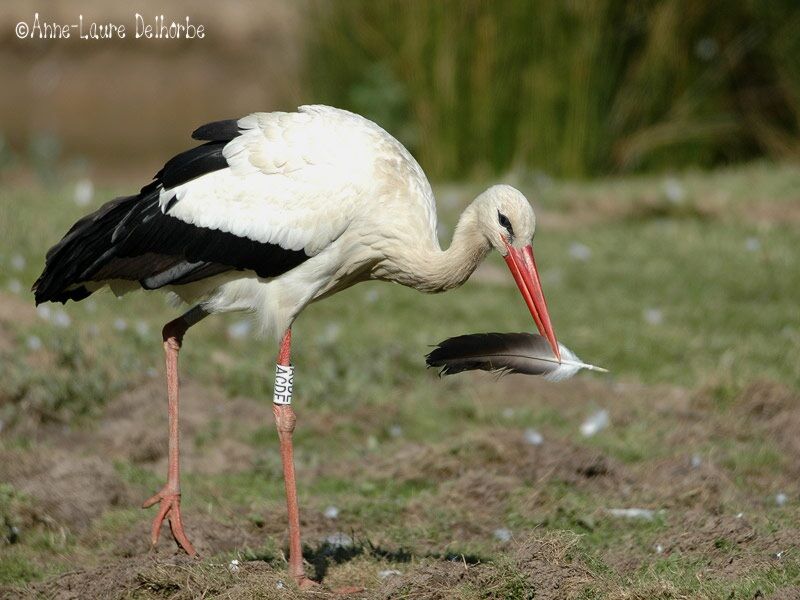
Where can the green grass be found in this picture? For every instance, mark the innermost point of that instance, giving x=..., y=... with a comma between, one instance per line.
x=729, y=317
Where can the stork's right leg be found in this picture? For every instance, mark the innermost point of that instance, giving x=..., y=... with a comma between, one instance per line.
x=169, y=497
x=285, y=421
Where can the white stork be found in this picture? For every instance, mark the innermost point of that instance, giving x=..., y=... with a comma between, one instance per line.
x=275, y=211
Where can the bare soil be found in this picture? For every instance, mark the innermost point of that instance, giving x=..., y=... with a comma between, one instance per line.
x=70, y=478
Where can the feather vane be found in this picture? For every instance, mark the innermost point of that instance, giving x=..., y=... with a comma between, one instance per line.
x=525, y=353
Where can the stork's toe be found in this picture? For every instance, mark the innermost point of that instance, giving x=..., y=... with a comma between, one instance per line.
x=170, y=509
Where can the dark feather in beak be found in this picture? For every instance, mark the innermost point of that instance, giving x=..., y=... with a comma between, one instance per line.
x=525, y=353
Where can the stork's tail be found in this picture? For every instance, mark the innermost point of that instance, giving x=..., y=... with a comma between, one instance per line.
x=80, y=253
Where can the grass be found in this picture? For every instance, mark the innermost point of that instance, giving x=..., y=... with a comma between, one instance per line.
x=687, y=302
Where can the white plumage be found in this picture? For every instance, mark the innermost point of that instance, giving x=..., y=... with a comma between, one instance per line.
x=301, y=181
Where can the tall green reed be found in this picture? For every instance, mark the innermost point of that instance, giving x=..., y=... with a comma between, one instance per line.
x=571, y=88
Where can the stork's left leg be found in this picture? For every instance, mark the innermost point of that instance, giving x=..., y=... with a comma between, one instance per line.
x=285, y=420
x=169, y=497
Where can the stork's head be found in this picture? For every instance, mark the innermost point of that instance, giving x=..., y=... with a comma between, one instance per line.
x=508, y=222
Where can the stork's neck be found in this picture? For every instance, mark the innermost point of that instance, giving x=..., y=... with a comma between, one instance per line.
x=431, y=269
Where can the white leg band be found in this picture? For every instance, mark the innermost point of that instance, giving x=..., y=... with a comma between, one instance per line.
x=284, y=378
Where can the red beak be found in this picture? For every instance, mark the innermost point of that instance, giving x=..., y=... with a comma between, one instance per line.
x=523, y=268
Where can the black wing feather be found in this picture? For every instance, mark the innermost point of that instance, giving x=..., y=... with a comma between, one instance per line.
x=217, y=131
x=193, y=163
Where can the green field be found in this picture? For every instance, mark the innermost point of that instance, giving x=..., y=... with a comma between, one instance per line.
x=685, y=287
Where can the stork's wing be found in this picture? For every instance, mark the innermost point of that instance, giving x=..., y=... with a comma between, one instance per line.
x=264, y=193
x=288, y=181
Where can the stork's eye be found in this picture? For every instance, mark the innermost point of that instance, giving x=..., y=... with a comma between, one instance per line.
x=504, y=222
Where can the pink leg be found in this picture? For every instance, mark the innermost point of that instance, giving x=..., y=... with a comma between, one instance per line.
x=285, y=420
x=169, y=497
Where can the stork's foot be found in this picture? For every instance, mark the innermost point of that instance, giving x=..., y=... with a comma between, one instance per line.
x=170, y=509
x=304, y=583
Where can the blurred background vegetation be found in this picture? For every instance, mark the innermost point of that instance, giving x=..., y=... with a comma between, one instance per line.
x=572, y=88
x=473, y=87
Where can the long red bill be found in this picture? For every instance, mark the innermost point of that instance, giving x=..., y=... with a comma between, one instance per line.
x=523, y=268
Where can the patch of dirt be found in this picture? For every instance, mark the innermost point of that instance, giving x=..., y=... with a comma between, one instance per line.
x=771, y=409
x=704, y=486
x=787, y=593
x=727, y=546
x=71, y=479
x=475, y=492
x=721, y=541
x=505, y=454
x=214, y=428
x=548, y=566
x=210, y=535
x=479, y=472
x=178, y=577
x=540, y=566
x=68, y=490
x=703, y=534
